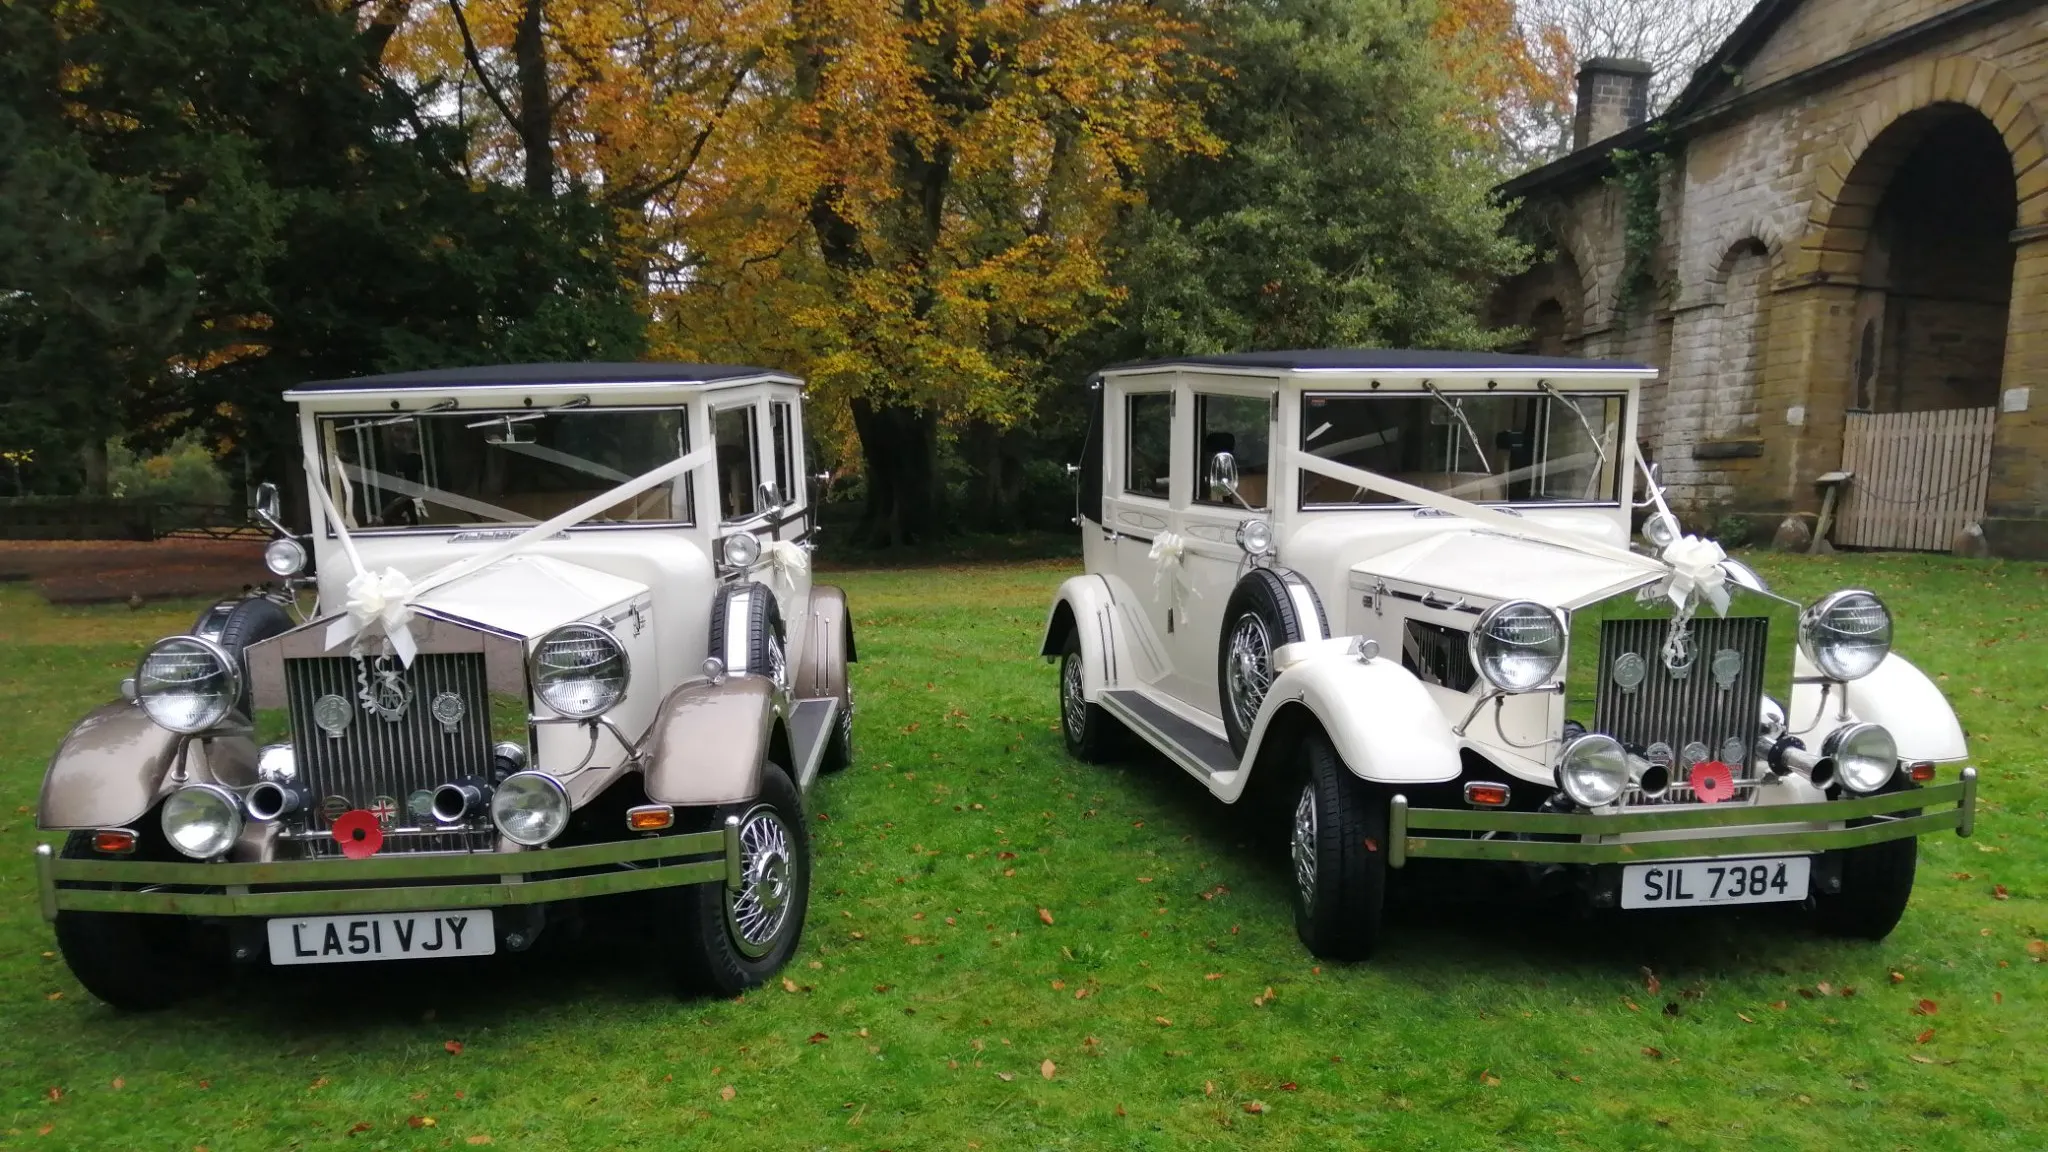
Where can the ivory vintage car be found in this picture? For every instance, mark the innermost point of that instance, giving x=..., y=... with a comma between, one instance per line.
x=1395, y=593
x=563, y=643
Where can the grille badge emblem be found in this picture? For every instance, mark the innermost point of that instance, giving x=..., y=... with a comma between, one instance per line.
x=1629, y=671
x=1726, y=665
x=1732, y=752
x=333, y=808
x=382, y=689
x=448, y=710
x=1680, y=653
x=420, y=804
x=385, y=809
x=1695, y=753
x=1658, y=753
x=331, y=714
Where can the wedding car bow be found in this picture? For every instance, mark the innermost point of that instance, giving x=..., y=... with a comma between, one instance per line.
x=786, y=560
x=386, y=599
x=1696, y=575
x=1169, y=552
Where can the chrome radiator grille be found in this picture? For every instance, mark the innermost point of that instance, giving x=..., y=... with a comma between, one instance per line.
x=385, y=762
x=1707, y=713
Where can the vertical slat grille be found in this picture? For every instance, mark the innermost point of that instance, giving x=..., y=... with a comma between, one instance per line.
x=1674, y=711
x=376, y=759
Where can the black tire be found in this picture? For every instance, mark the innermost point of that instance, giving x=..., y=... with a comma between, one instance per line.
x=1339, y=859
x=1266, y=610
x=1091, y=734
x=709, y=953
x=839, y=750
x=242, y=623
x=133, y=961
x=746, y=632
x=1877, y=881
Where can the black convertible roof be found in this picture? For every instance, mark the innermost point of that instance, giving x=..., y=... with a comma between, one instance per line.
x=581, y=373
x=1388, y=360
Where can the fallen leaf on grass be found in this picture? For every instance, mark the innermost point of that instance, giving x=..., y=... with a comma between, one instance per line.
x=419, y=1122
x=1806, y=993
x=1998, y=892
x=1162, y=1021
x=2037, y=947
x=1213, y=976
x=1998, y=997
x=1898, y=977
x=1047, y=1069
x=1633, y=1006
x=1080, y=993
x=1960, y=876
x=1777, y=1005
x=1290, y=1086
x=1045, y=914
x=454, y=1047
x=788, y=985
x=1926, y=1008
x=54, y=996
x=1650, y=982
x=1824, y=988
x=1487, y=1078
x=46, y=1129
x=1254, y=1107
x=819, y=1037
x=1264, y=998
x=479, y=1138
x=1745, y=1018
x=54, y=1094
x=119, y=1083
x=1208, y=1087
x=1653, y=1053
x=1924, y=1037
x=359, y=1126
x=1006, y=1077
x=727, y=1093
x=1120, y=1110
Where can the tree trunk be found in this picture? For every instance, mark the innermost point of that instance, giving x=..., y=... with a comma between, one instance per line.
x=898, y=446
x=536, y=124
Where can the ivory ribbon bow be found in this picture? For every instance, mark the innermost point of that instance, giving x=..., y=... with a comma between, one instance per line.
x=1169, y=552
x=386, y=599
x=1696, y=574
x=786, y=561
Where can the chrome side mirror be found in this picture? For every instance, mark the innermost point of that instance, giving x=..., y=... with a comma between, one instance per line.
x=769, y=497
x=269, y=508
x=1223, y=474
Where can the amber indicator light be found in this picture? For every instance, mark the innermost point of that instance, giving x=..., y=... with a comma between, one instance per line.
x=1922, y=773
x=652, y=818
x=113, y=841
x=1487, y=795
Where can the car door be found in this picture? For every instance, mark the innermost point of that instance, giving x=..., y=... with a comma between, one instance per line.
x=1222, y=417
x=1139, y=491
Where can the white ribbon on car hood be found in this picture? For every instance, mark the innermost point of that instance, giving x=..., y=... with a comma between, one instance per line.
x=386, y=598
x=785, y=560
x=1696, y=574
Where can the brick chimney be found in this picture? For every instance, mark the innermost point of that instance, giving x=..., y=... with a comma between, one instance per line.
x=1613, y=94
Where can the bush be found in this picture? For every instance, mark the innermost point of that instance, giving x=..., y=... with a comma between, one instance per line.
x=184, y=473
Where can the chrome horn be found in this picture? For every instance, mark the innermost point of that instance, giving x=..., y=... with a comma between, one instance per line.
x=458, y=800
x=273, y=800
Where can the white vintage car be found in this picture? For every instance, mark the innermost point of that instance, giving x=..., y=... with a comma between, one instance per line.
x=563, y=643
x=1394, y=593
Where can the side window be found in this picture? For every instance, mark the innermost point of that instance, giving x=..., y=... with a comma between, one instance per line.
x=782, y=429
x=1148, y=444
x=1241, y=426
x=738, y=468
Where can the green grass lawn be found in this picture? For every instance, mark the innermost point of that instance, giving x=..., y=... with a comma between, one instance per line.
x=1009, y=950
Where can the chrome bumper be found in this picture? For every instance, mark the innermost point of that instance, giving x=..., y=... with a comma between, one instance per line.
x=1595, y=838
x=386, y=883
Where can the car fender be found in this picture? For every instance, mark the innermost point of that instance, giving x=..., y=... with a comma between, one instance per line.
x=1086, y=607
x=114, y=765
x=827, y=645
x=1381, y=720
x=709, y=740
x=1897, y=695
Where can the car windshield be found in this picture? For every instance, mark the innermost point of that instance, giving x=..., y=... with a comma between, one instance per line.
x=479, y=467
x=1491, y=447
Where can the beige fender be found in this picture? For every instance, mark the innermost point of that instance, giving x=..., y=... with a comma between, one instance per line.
x=116, y=762
x=1086, y=608
x=708, y=741
x=1380, y=719
x=1896, y=695
x=827, y=645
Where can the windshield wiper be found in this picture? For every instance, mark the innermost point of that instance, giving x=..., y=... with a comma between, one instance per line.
x=402, y=417
x=1457, y=411
x=1591, y=435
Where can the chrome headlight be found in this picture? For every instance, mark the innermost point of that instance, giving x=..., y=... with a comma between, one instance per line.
x=740, y=550
x=1518, y=645
x=202, y=820
x=187, y=684
x=1255, y=537
x=1593, y=770
x=1847, y=634
x=530, y=808
x=579, y=670
x=284, y=557
x=1865, y=756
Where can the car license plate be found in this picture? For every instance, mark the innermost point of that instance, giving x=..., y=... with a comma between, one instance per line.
x=1697, y=883
x=382, y=936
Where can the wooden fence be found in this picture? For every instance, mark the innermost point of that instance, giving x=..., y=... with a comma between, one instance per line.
x=1919, y=477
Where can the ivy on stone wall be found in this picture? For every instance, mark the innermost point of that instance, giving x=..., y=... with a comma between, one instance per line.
x=1641, y=177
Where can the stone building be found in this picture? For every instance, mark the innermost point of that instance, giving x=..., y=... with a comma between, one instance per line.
x=1843, y=216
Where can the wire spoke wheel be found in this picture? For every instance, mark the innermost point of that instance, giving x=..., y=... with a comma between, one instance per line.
x=758, y=912
x=1073, y=701
x=1304, y=846
x=1249, y=668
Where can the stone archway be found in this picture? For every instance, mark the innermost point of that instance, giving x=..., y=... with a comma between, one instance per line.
x=1900, y=297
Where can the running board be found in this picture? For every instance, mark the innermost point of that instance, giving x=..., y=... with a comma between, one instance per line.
x=1183, y=743
x=810, y=730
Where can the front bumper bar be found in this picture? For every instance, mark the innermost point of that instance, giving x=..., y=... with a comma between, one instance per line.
x=1593, y=838
x=397, y=883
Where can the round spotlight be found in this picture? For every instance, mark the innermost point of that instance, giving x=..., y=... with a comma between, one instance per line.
x=284, y=557
x=740, y=550
x=580, y=670
x=1593, y=770
x=202, y=820
x=1865, y=756
x=1518, y=645
x=530, y=808
x=1255, y=537
x=1847, y=634
x=187, y=684
x=1661, y=530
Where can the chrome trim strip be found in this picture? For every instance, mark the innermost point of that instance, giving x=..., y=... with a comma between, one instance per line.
x=46, y=881
x=1397, y=832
